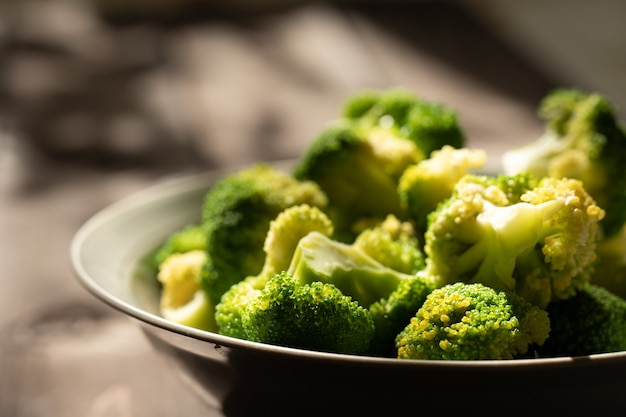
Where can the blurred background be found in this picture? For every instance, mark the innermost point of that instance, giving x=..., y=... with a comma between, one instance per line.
x=101, y=98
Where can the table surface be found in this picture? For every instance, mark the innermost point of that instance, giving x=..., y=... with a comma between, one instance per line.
x=99, y=104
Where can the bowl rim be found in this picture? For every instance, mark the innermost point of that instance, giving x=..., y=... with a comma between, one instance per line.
x=180, y=184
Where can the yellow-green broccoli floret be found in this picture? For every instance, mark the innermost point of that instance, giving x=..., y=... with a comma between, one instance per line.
x=516, y=233
x=472, y=322
x=183, y=300
x=393, y=243
x=424, y=185
x=592, y=321
x=311, y=316
x=236, y=215
x=584, y=140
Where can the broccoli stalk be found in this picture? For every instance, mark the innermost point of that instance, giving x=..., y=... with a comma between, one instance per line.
x=472, y=322
x=534, y=237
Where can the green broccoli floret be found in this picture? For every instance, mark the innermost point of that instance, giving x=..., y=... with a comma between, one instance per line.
x=183, y=299
x=236, y=215
x=515, y=233
x=472, y=322
x=610, y=268
x=393, y=243
x=583, y=140
x=359, y=175
x=281, y=241
x=312, y=316
x=424, y=185
x=394, y=313
x=191, y=237
x=430, y=125
x=592, y=321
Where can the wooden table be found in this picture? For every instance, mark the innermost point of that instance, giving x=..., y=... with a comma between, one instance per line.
x=98, y=109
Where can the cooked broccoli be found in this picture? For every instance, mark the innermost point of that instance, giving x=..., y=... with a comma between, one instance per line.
x=430, y=125
x=320, y=258
x=610, y=268
x=471, y=322
x=392, y=314
x=183, y=300
x=282, y=238
x=236, y=215
x=312, y=316
x=516, y=233
x=592, y=321
x=191, y=237
x=424, y=185
x=393, y=243
x=583, y=140
x=358, y=175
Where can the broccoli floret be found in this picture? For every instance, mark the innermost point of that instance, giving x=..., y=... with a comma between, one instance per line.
x=592, y=321
x=583, y=140
x=394, y=313
x=183, y=300
x=534, y=237
x=430, y=125
x=610, y=268
x=237, y=212
x=393, y=243
x=312, y=316
x=191, y=237
x=472, y=322
x=282, y=238
x=358, y=175
x=424, y=185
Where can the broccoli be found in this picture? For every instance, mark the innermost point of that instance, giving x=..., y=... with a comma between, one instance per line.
x=592, y=321
x=183, y=300
x=393, y=243
x=472, y=322
x=536, y=237
x=191, y=237
x=424, y=185
x=610, y=268
x=313, y=316
x=391, y=296
x=281, y=240
x=359, y=176
x=583, y=140
x=236, y=215
x=359, y=158
x=430, y=125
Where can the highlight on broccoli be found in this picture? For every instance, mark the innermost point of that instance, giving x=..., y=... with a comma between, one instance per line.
x=592, y=321
x=280, y=244
x=424, y=185
x=401, y=113
x=536, y=237
x=472, y=322
x=183, y=299
x=314, y=316
x=583, y=140
x=236, y=216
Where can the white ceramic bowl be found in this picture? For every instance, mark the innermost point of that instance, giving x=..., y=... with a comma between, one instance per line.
x=247, y=378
